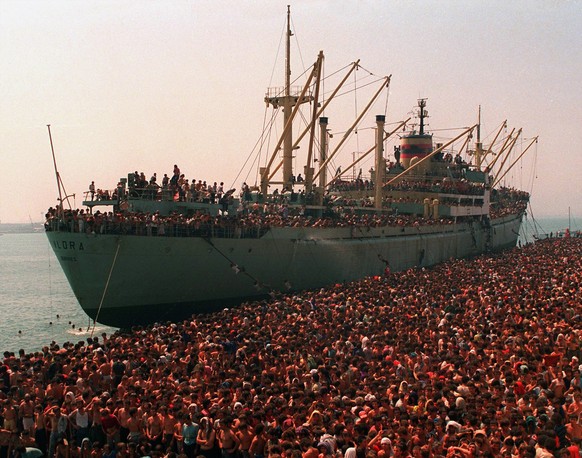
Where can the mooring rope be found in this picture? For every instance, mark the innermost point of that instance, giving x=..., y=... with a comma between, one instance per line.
x=239, y=269
x=106, y=286
x=50, y=279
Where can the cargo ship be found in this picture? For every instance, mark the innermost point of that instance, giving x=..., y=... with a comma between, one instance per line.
x=162, y=252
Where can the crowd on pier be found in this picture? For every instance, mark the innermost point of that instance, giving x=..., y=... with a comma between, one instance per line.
x=475, y=358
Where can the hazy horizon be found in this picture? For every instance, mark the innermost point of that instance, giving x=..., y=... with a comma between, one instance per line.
x=141, y=86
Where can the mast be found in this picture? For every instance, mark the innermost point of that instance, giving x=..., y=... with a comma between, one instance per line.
x=288, y=100
x=287, y=104
x=322, y=153
x=422, y=105
x=56, y=171
x=380, y=164
x=288, y=54
x=265, y=177
x=320, y=110
x=309, y=170
x=478, y=145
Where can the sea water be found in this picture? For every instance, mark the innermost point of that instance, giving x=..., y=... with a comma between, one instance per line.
x=37, y=306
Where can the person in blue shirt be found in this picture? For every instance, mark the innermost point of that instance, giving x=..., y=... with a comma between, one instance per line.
x=189, y=434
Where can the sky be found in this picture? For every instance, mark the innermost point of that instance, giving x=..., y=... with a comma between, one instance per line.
x=143, y=85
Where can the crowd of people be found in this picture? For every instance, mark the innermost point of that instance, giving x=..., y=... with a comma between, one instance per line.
x=181, y=189
x=446, y=186
x=254, y=218
x=177, y=187
x=251, y=223
x=472, y=358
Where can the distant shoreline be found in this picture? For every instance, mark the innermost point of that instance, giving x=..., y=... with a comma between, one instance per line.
x=21, y=228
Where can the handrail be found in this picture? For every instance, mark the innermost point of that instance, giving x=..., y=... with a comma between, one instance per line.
x=255, y=225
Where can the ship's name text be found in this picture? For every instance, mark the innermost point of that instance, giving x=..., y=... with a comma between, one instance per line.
x=65, y=245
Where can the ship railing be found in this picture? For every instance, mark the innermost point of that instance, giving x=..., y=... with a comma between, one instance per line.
x=279, y=92
x=150, y=192
x=153, y=194
x=178, y=230
x=102, y=197
x=464, y=199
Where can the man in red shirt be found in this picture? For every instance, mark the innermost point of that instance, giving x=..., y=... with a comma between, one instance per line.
x=111, y=426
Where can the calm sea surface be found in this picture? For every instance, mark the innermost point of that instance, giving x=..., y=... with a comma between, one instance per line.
x=33, y=293
x=37, y=305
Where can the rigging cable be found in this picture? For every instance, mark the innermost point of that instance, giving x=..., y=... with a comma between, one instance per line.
x=106, y=285
x=48, y=247
x=348, y=91
x=322, y=86
x=258, y=144
x=534, y=170
x=278, y=50
x=537, y=228
x=356, y=115
x=297, y=43
x=386, y=104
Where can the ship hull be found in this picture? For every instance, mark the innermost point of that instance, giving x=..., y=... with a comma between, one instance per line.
x=127, y=280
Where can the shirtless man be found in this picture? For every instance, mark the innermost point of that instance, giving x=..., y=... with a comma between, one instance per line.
x=134, y=426
x=122, y=414
x=38, y=390
x=105, y=371
x=40, y=434
x=574, y=428
x=168, y=423
x=245, y=437
x=62, y=448
x=59, y=424
x=576, y=407
x=178, y=438
x=155, y=429
x=10, y=416
x=55, y=390
x=8, y=439
x=26, y=412
x=259, y=443
x=227, y=439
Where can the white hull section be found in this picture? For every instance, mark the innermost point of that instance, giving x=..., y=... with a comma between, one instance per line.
x=140, y=279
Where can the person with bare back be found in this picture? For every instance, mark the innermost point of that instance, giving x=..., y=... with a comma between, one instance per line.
x=227, y=439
